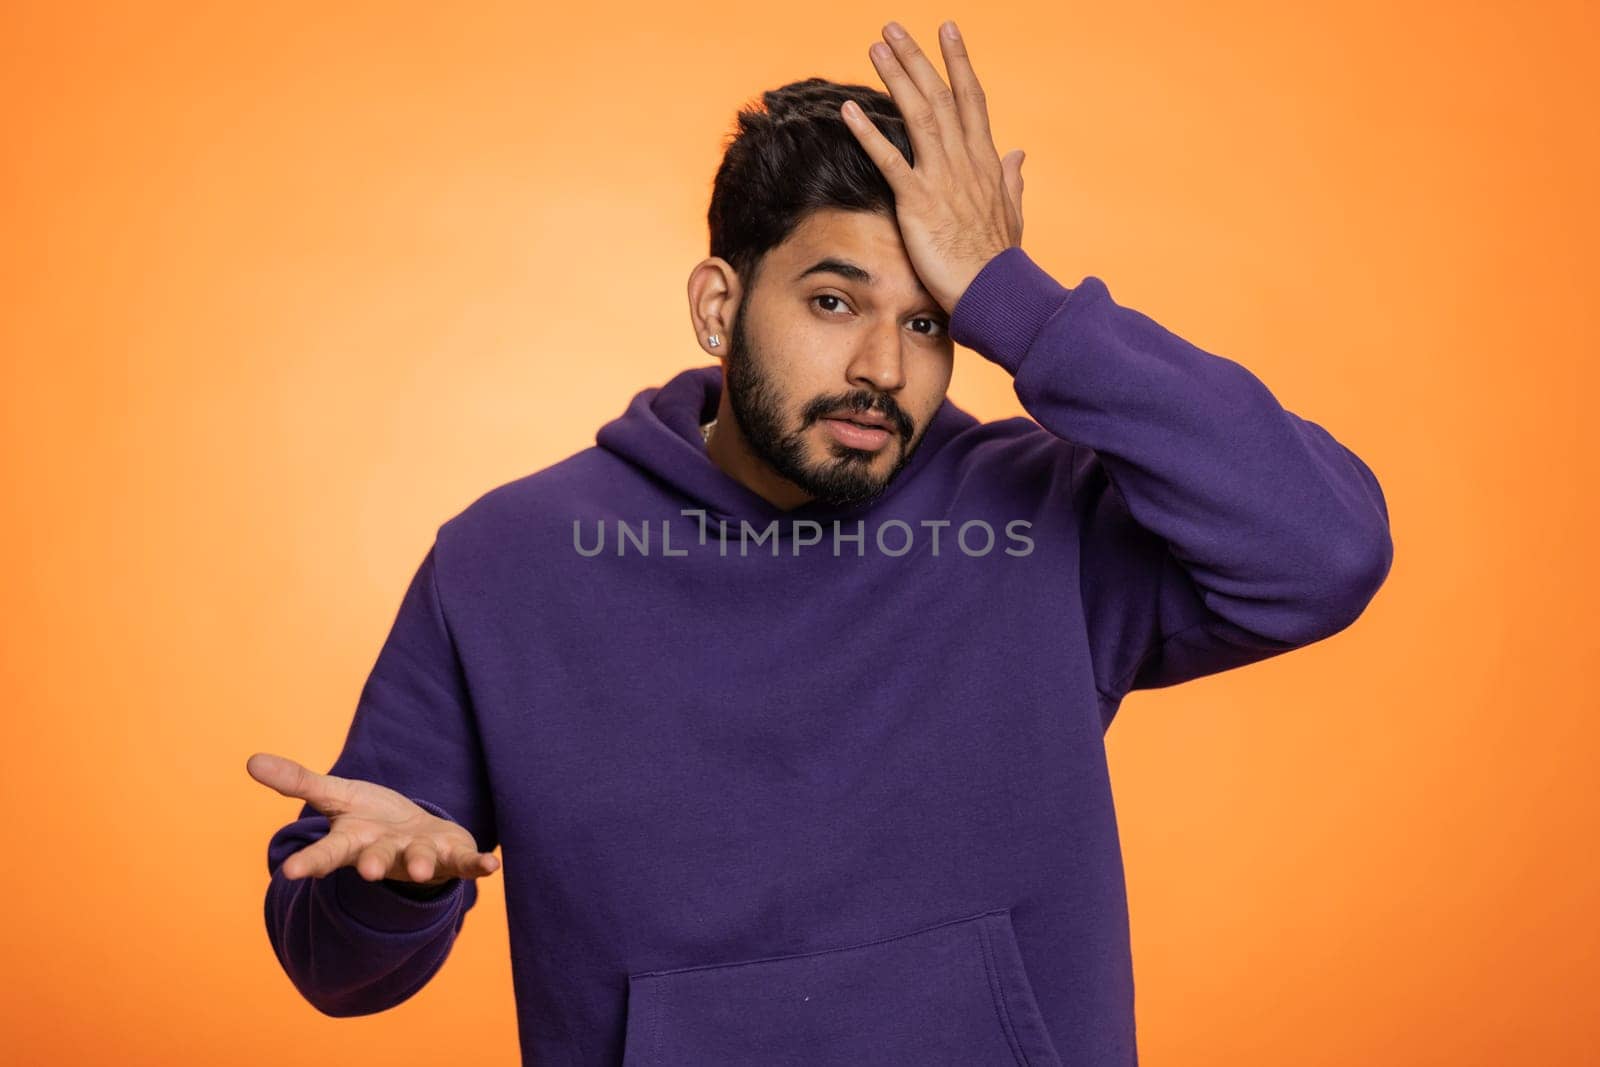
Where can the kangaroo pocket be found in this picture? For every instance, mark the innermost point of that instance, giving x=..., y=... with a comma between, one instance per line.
x=952, y=993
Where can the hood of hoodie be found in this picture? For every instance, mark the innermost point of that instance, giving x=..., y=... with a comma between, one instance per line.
x=659, y=434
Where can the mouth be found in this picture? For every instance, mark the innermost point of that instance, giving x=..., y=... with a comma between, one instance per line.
x=866, y=432
x=869, y=420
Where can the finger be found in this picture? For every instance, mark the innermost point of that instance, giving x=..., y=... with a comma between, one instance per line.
x=469, y=862
x=330, y=853
x=324, y=792
x=971, y=102
x=879, y=148
x=929, y=112
x=421, y=860
x=377, y=859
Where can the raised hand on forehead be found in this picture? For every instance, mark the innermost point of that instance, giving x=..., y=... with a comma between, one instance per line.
x=961, y=204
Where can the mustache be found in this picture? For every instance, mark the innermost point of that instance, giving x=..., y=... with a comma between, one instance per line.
x=821, y=409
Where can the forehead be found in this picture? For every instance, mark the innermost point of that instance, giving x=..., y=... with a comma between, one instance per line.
x=863, y=239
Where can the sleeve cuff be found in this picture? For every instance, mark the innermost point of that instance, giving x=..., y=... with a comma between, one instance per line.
x=1005, y=307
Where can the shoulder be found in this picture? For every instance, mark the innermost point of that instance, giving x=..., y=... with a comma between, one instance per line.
x=1015, y=454
x=517, y=518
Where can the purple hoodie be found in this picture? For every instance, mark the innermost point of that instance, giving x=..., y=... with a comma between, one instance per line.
x=829, y=786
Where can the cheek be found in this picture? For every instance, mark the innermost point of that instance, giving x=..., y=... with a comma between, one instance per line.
x=931, y=392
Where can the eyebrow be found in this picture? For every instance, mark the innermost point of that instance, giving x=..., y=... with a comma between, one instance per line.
x=846, y=269
x=842, y=267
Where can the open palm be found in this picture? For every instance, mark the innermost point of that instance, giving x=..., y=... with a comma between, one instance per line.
x=380, y=832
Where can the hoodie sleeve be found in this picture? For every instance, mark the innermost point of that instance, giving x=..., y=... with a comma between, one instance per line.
x=1215, y=527
x=353, y=947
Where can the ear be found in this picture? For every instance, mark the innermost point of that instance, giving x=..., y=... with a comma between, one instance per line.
x=713, y=291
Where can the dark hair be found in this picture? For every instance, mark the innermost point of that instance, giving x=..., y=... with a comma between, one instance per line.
x=790, y=156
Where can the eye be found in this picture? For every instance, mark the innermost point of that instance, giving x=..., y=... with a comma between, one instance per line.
x=938, y=330
x=828, y=296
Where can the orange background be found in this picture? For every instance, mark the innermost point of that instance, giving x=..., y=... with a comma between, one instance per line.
x=289, y=285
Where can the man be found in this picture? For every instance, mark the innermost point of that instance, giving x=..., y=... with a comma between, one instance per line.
x=786, y=701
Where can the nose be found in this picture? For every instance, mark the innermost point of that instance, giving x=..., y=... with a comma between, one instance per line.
x=878, y=365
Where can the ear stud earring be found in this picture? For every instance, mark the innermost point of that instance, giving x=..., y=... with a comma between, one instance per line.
x=713, y=340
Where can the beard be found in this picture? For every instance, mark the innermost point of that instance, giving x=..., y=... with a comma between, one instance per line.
x=846, y=477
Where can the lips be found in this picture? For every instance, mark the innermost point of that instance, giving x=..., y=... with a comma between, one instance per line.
x=870, y=419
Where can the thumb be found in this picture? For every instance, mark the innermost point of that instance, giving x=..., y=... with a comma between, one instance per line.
x=324, y=792
x=1011, y=172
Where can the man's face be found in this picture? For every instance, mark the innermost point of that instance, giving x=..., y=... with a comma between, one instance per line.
x=809, y=348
